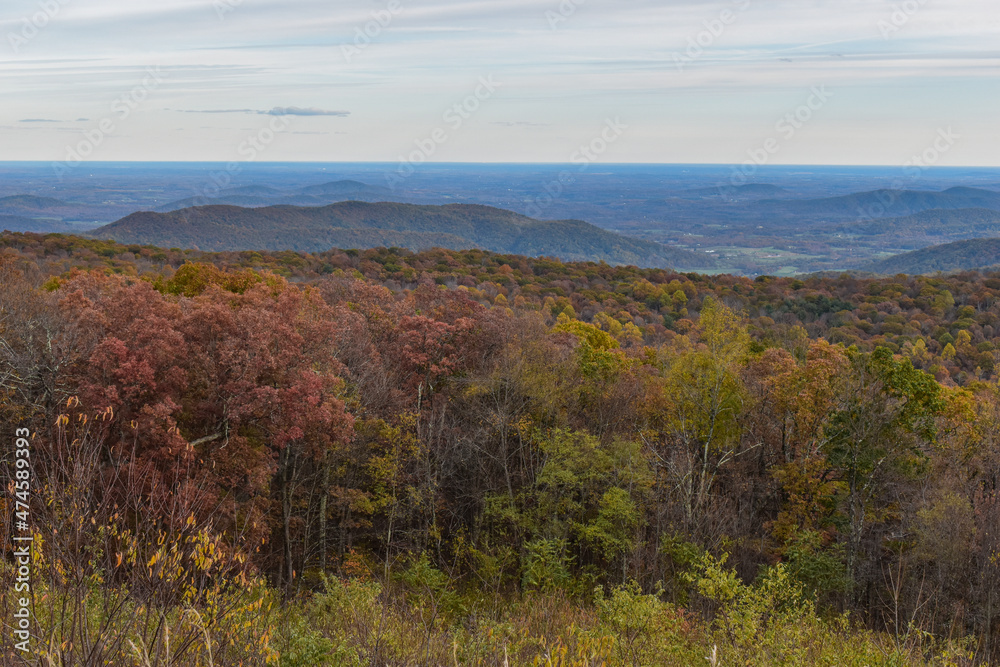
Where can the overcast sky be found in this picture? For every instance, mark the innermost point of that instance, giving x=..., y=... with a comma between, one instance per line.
x=891, y=77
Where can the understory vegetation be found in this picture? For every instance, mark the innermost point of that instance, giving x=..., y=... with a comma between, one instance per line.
x=347, y=460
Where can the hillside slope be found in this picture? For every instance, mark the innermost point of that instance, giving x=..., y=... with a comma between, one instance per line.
x=368, y=225
x=957, y=256
x=17, y=223
x=920, y=230
x=882, y=203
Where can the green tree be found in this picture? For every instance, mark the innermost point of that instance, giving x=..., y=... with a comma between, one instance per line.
x=881, y=432
x=701, y=397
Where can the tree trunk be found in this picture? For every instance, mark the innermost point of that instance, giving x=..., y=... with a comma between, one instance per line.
x=324, y=494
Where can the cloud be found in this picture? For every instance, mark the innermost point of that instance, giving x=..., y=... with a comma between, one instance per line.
x=276, y=111
x=607, y=59
x=519, y=123
x=298, y=111
x=215, y=110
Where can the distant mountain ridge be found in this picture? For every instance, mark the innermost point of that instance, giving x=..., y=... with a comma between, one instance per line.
x=16, y=223
x=30, y=213
x=28, y=204
x=356, y=224
x=920, y=230
x=252, y=196
x=882, y=203
x=966, y=255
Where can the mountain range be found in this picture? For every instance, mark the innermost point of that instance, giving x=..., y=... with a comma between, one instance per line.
x=777, y=226
x=76, y=213
x=881, y=203
x=261, y=195
x=920, y=230
x=968, y=255
x=356, y=224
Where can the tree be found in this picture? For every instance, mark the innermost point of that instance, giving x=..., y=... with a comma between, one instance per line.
x=231, y=402
x=881, y=432
x=697, y=406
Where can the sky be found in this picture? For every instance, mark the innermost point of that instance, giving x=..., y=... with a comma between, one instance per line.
x=849, y=82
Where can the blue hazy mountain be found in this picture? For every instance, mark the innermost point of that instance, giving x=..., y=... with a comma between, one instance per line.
x=752, y=220
x=883, y=203
x=364, y=225
x=949, y=257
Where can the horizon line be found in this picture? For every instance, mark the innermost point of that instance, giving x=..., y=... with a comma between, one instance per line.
x=505, y=163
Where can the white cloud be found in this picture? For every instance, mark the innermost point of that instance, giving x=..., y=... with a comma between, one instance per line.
x=276, y=111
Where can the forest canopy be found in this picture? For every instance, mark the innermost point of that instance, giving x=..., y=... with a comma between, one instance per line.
x=387, y=457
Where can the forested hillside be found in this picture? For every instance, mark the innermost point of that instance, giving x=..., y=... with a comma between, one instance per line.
x=387, y=458
x=979, y=253
x=885, y=203
x=356, y=224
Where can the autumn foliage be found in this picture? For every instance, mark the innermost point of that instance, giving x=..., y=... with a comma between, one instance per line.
x=703, y=451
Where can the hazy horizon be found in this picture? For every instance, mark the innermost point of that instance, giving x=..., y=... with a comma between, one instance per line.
x=389, y=163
